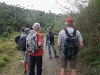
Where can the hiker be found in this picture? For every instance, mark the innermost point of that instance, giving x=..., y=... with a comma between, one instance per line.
x=35, y=49
x=21, y=45
x=26, y=58
x=69, y=43
x=22, y=50
x=50, y=42
x=18, y=40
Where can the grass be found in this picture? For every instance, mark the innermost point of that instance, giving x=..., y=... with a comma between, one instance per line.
x=7, y=49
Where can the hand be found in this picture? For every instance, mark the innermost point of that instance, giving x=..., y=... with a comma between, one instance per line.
x=29, y=53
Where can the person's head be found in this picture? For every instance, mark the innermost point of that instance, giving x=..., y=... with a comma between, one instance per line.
x=69, y=22
x=49, y=29
x=26, y=30
x=22, y=29
x=36, y=27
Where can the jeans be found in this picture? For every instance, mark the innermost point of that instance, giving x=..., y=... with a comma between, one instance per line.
x=35, y=61
x=49, y=49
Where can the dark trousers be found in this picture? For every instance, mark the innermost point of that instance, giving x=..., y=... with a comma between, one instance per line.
x=35, y=61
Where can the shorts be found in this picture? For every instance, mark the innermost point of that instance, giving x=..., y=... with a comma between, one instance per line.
x=26, y=57
x=64, y=62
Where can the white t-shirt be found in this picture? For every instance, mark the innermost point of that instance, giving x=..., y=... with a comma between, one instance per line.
x=62, y=35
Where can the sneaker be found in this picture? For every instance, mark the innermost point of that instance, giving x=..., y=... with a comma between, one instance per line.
x=22, y=61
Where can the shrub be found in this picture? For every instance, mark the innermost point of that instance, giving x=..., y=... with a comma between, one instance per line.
x=6, y=58
x=2, y=63
x=9, y=29
x=5, y=34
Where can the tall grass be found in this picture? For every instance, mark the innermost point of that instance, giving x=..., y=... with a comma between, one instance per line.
x=7, y=49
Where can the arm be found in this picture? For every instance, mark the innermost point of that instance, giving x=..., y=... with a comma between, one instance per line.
x=55, y=33
x=80, y=40
x=81, y=44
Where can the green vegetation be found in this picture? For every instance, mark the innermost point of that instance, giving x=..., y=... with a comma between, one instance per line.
x=7, y=50
x=12, y=18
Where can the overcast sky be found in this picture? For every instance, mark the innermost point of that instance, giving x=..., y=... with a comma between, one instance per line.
x=44, y=5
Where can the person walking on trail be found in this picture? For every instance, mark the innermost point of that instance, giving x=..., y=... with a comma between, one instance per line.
x=69, y=43
x=22, y=49
x=21, y=45
x=50, y=42
x=26, y=58
x=35, y=52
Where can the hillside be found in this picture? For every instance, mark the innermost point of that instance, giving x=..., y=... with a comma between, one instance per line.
x=16, y=17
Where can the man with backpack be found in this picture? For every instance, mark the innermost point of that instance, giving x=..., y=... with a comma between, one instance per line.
x=35, y=49
x=21, y=43
x=26, y=58
x=69, y=43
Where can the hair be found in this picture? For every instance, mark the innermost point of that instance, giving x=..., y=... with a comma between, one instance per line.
x=26, y=30
x=49, y=28
x=36, y=26
x=22, y=29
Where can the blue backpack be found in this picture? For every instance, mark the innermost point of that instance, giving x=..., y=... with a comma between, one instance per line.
x=71, y=44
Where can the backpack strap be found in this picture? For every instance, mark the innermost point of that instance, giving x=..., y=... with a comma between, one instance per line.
x=67, y=33
x=74, y=32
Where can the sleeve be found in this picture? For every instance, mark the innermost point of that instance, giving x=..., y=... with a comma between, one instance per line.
x=59, y=38
x=55, y=33
x=80, y=39
x=40, y=37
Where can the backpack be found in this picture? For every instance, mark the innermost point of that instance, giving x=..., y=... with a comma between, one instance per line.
x=22, y=43
x=17, y=38
x=32, y=42
x=71, y=44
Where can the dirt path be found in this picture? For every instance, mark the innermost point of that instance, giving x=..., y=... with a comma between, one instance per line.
x=50, y=66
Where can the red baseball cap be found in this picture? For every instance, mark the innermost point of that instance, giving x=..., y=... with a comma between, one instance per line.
x=69, y=20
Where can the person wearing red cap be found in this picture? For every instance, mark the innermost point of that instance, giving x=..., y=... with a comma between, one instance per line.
x=69, y=43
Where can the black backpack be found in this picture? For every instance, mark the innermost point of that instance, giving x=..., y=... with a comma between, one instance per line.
x=22, y=43
x=17, y=38
x=71, y=44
